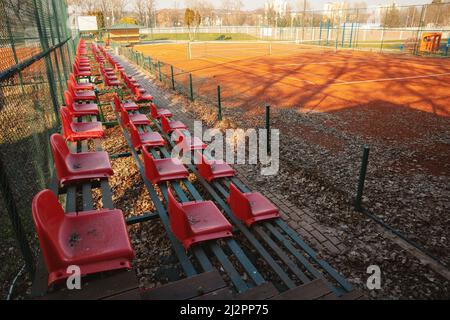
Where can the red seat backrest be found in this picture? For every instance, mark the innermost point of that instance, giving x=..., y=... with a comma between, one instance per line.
x=48, y=218
x=203, y=165
x=66, y=119
x=238, y=202
x=72, y=77
x=68, y=99
x=178, y=220
x=75, y=68
x=71, y=88
x=125, y=117
x=61, y=155
x=153, y=111
x=117, y=102
x=150, y=169
x=165, y=124
x=135, y=137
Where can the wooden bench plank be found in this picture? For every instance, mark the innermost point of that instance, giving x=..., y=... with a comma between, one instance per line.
x=265, y=291
x=221, y=294
x=98, y=288
x=134, y=294
x=187, y=288
x=310, y=291
x=353, y=295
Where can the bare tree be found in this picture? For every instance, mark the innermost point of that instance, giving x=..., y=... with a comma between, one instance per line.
x=140, y=11
x=233, y=12
x=150, y=12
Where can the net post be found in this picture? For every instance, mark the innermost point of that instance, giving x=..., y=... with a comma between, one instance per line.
x=189, y=51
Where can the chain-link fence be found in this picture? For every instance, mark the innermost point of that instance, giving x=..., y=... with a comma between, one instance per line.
x=36, y=51
x=390, y=28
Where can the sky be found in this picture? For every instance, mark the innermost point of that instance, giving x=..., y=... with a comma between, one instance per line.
x=315, y=4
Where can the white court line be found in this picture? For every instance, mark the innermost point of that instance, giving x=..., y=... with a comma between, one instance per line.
x=314, y=63
x=393, y=79
x=262, y=73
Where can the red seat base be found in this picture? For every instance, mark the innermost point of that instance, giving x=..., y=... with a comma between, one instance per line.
x=87, y=166
x=251, y=207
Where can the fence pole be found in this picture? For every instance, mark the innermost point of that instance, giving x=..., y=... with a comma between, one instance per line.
x=219, y=105
x=48, y=62
x=191, y=89
x=362, y=177
x=173, y=79
x=159, y=71
x=268, y=128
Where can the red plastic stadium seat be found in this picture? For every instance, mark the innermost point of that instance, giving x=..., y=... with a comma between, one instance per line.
x=158, y=170
x=77, y=131
x=78, y=167
x=213, y=169
x=80, y=109
x=250, y=207
x=79, y=73
x=81, y=86
x=169, y=126
x=145, y=139
x=142, y=96
x=196, y=221
x=138, y=119
x=111, y=82
x=127, y=105
x=183, y=139
x=81, y=95
x=157, y=113
x=95, y=241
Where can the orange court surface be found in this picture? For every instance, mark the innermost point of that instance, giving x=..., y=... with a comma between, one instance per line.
x=293, y=76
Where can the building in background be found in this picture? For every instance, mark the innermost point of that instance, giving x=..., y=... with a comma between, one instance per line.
x=280, y=7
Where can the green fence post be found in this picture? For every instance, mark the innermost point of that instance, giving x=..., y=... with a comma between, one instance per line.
x=173, y=79
x=13, y=48
x=219, y=105
x=49, y=68
x=268, y=128
x=362, y=177
x=159, y=71
x=191, y=88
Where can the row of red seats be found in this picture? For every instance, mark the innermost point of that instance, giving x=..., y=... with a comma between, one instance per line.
x=191, y=222
x=96, y=240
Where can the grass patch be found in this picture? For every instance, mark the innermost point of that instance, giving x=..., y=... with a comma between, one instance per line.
x=199, y=36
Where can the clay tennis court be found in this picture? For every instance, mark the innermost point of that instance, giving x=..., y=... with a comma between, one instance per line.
x=313, y=79
x=384, y=97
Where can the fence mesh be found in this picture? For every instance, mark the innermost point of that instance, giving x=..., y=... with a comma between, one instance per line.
x=35, y=55
x=391, y=28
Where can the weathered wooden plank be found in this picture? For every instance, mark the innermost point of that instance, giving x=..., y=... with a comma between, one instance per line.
x=310, y=291
x=353, y=295
x=221, y=294
x=98, y=287
x=134, y=294
x=265, y=291
x=187, y=288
